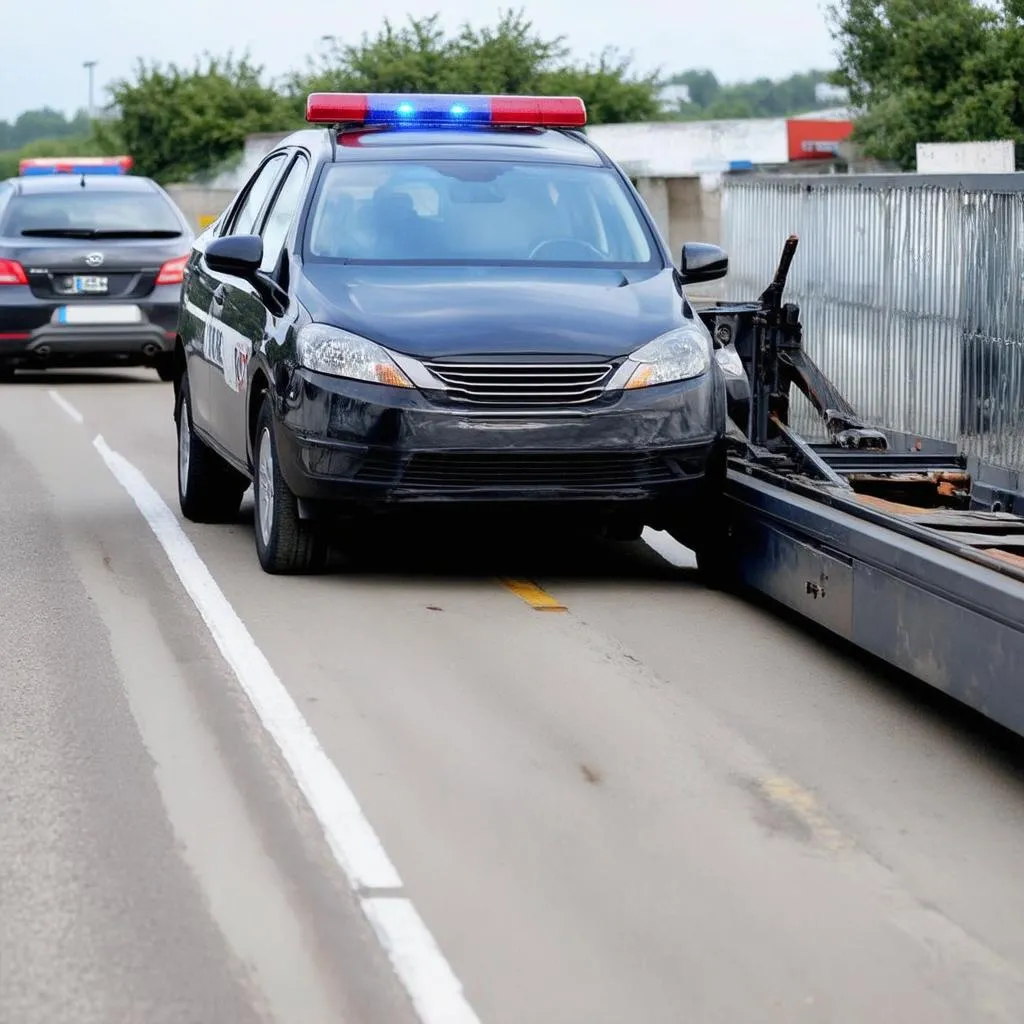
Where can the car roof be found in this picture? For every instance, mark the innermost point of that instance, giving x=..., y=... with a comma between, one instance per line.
x=44, y=184
x=482, y=143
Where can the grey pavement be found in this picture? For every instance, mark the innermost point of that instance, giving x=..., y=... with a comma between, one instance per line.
x=663, y=805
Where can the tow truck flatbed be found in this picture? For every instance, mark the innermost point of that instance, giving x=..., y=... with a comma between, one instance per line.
x=884, y=543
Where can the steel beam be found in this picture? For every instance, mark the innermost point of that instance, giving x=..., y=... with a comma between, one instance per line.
x=949, y=620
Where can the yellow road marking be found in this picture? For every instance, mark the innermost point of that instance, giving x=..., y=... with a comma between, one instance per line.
x=534, y=596
x=205, y=220
x=801, y=803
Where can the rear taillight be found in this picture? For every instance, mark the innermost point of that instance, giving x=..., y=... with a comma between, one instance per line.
x=172, y=272
x=12, y=272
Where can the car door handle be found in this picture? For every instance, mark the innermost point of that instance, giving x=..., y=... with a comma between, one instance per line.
x=217, y=301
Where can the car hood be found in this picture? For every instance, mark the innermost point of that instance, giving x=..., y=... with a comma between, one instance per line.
x=438, y=313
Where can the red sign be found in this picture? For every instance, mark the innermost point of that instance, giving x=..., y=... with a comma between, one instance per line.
x=816, y=140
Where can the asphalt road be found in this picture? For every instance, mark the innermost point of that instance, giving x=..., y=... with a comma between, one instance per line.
x=660, y=805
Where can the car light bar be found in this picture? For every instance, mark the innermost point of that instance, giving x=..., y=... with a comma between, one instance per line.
x=75, y=165
x=445, y=110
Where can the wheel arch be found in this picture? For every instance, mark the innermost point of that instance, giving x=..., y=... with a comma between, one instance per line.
x=259, y=387
x=180, y=365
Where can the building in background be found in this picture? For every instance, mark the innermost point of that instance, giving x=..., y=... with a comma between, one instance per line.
x=671, y=97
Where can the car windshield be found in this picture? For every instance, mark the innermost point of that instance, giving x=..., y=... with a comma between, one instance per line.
x=91, y=214
x=477, y=211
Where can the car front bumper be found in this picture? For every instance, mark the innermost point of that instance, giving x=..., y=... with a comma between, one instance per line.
x=31, y=333
x=345, y=441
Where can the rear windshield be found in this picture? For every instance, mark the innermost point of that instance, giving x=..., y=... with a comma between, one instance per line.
x=477, y=211
x=85, y=212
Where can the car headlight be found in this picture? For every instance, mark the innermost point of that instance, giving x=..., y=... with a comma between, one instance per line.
x=679, y=355
x=340, y=353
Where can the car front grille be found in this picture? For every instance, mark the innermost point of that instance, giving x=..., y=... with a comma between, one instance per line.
x=522, y=384
x=564, y=471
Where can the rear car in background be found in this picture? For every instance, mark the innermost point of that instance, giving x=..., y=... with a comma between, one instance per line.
x=91, y=261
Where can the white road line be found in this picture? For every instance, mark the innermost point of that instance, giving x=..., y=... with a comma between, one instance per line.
x=435, y=991
x=669, y=548
x=66, y=406
x=349, y=833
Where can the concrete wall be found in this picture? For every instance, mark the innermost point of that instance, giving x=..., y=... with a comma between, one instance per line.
x=966, y=157
x=201, y=205
x=256, y=147
x=685, y=209
x=686, y=148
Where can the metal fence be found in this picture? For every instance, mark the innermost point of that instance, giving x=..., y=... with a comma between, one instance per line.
x=911, y=291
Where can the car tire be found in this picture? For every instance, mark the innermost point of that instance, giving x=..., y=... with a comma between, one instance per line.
x=164, y=367
x=6, y=372
x=209, y=490
x=703, y=528
x=712, y=541
x=285, y=544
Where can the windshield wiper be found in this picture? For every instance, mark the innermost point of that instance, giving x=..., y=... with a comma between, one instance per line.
x=100, y=233
x=58, y=232
x=139, y=233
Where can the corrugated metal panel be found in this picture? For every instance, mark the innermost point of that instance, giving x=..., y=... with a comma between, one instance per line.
x=911, y=295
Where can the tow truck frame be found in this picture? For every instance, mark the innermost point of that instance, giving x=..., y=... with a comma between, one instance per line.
x=894, y=543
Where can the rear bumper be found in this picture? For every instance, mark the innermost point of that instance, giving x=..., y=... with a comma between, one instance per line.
x=115, y=344
x=31, y=334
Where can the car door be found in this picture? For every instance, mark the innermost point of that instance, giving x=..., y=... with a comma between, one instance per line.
x=252, y=312
x=197, y=290
x=214, y=285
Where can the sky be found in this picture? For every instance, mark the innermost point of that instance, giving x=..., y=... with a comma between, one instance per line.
x=43, y=47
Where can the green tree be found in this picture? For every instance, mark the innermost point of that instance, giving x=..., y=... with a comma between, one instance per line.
x=44, y=123
x=177, y=123
x=703, y=87
x=611, y=92
x=509, y=57
x=930, y=71
x=710, y=100
x=80, y=145
x=84, y=144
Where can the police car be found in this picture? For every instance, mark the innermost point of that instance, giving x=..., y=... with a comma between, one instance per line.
x=442, y=300
x=91, y=258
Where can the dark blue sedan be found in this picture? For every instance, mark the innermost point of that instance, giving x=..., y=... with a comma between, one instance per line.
x=442, y=299
x=91, y=264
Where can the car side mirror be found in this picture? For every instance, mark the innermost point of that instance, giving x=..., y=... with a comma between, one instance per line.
x=702, y=262
x=239, y=255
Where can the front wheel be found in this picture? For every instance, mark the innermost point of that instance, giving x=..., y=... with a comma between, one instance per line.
x=284, y=542
x=6, y=371
x=713, y=541
x=164, y=367
x=209, y=490
x=704, y=526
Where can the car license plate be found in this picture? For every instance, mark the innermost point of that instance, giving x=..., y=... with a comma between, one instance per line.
x=98, y=314
x=88, y=285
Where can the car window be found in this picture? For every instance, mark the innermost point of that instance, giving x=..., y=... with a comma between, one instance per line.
x=245, y=218
x=85, y=212
x=275, y=230
x=481, y=211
